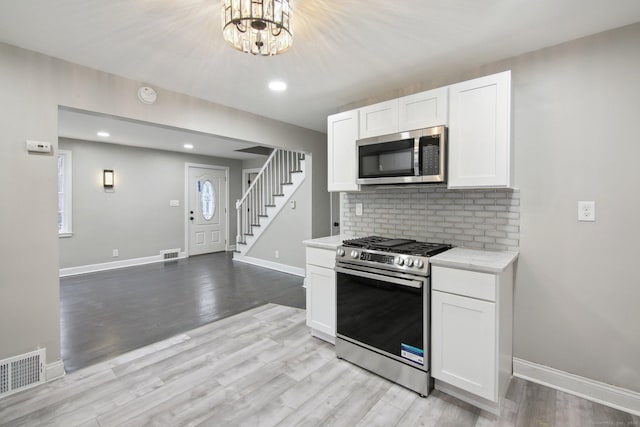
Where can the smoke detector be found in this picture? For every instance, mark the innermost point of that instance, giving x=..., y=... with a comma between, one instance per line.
x=147, y=95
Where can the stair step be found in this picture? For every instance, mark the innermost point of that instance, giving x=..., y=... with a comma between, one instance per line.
x=248, y=234
x=255, y=225
x=263, y=216
x=281, y=195
x=272, y=206
x=242, y=243
x=296, y=171
x=287, y=183
x=238, y=252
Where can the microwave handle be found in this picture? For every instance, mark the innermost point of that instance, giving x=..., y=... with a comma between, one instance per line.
x=416, y=156
x=402, y=282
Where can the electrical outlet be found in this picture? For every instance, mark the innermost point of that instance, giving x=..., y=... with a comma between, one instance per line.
x=277, y=254
x=292, y=204
x=116, y=253
x=587, y=211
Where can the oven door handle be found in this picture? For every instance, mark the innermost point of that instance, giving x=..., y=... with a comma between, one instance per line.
x=402, y=282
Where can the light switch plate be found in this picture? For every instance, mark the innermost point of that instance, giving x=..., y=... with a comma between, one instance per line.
x=174, y=203
x=586, y=211
x=292, y=204
x=358, y=209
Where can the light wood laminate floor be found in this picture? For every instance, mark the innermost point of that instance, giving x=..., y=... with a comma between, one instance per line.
x=262, y=368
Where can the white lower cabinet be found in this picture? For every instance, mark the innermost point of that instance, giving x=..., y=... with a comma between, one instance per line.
x=321, y=293
x=471, y=332
x=464, y=343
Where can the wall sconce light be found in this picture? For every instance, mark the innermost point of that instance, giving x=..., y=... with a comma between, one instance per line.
x=107, y=179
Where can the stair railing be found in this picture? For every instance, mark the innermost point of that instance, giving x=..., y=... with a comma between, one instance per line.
x=253, y=205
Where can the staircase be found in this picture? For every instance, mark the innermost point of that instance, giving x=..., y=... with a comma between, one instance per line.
x=278, y=179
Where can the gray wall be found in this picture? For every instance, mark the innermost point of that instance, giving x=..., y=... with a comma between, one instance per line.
x=136, y=218
x=33, y=86
x=479, y=219
x=287, y=231
x=256, y=163
x=575, y=133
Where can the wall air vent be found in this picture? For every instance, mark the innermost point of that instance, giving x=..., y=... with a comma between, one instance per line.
x=21, y=372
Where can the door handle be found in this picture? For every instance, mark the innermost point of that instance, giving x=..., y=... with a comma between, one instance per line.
x=418, y=284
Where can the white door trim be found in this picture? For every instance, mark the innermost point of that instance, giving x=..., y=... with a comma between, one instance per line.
x=186, y=201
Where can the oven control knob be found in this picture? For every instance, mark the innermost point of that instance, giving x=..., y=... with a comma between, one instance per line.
x=354, y=254
x=340, y=252
x=419, y=263
x=409, y=262
x=399, y=261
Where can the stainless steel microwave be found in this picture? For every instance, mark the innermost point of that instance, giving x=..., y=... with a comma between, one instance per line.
x=408, y=157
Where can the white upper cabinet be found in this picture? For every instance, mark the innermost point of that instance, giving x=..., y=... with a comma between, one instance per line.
x=423, y=110
x=480, y=132
x=342, y=133
x=379, y=119
x=417, y=111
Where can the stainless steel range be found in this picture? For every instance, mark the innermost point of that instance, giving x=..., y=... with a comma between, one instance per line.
x=383, y=318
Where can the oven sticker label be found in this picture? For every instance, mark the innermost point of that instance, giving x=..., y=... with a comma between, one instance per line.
x=412, y=353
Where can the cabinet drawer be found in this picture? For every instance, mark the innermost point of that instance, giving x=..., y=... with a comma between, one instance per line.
x=321, y=257
x=464, y=282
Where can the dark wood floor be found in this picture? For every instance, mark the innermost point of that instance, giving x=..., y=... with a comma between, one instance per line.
x=262, y=368
x=109, y=313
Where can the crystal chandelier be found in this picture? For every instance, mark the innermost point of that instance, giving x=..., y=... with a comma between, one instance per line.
x=260, y=27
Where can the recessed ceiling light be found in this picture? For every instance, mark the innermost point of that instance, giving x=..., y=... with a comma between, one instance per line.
x=103, y=134
x=277, y=86
x=188, y=146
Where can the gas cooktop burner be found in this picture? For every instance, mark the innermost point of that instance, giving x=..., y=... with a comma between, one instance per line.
x=399, y=246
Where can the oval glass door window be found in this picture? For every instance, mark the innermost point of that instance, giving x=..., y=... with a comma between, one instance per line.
x=208, y=200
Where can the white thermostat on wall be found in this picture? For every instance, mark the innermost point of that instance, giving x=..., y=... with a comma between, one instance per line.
x=147, y=95
x=38, y=147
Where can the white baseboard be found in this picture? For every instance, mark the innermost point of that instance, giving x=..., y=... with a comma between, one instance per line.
x=596, y=391
x=232, y=248
x=92, y=268
x=270, y=265
x=54, y=370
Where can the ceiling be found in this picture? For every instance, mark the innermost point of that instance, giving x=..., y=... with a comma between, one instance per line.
x=344, y=51
x=84, y=126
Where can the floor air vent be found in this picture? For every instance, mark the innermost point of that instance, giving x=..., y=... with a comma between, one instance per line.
x=170, y=254
x=21, y=372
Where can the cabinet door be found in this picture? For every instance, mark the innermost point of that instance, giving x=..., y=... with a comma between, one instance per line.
x=379, y=119
x=423, y=110
x=480, y=132
x=321, y=299
x=463, y=344
x=342, y=133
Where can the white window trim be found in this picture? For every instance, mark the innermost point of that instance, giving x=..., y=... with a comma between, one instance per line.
x=68, y=178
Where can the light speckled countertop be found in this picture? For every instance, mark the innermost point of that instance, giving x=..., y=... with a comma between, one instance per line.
x=331, y=242
x=474, y=259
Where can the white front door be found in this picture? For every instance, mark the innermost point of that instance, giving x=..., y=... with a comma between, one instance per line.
x=207, y=206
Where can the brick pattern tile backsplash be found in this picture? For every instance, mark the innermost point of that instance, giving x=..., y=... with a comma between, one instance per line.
x=481, y=219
